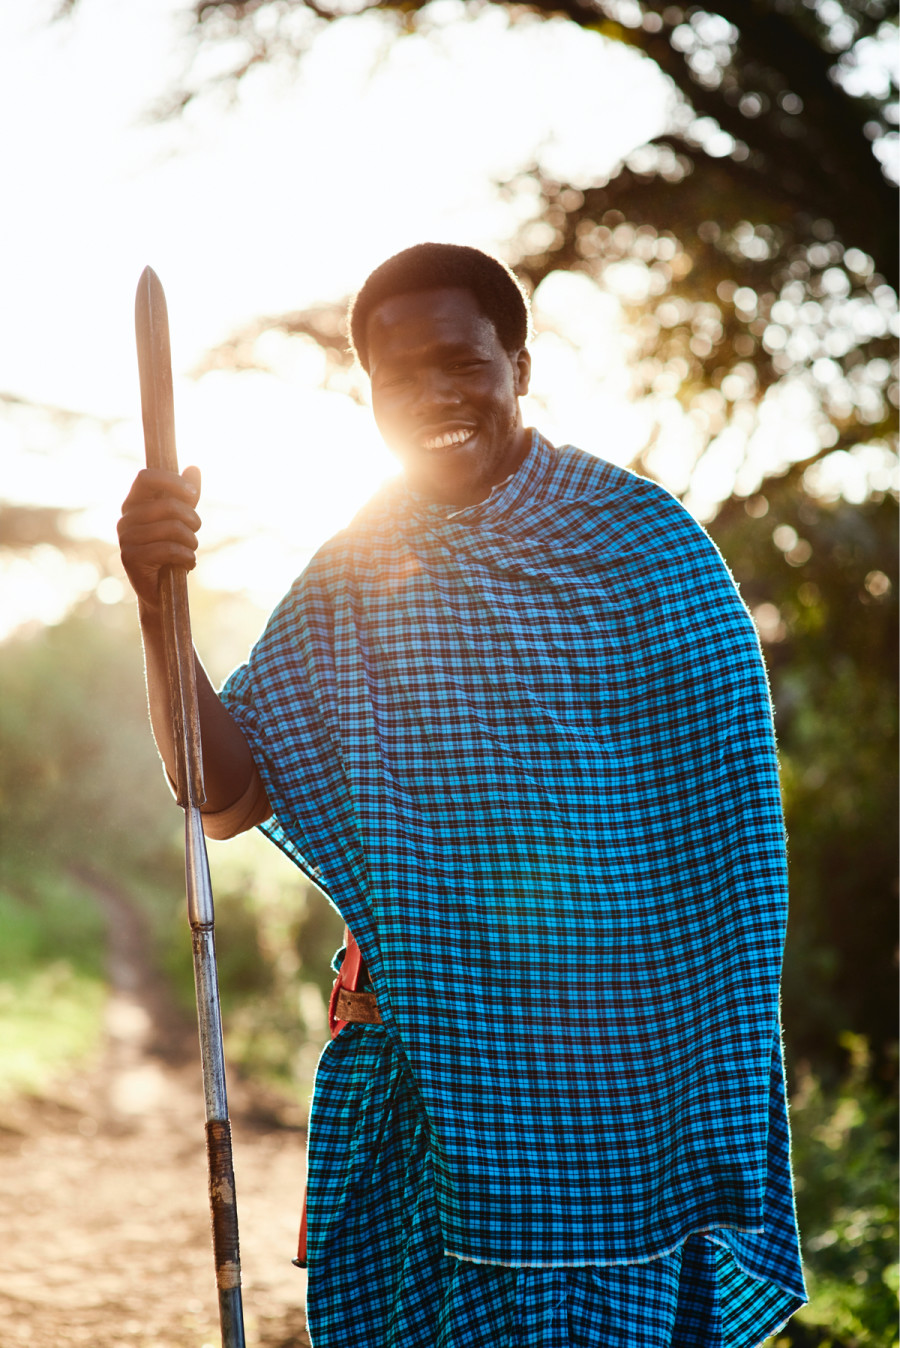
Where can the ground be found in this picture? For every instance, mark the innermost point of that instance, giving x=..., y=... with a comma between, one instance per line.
x=105, y=1218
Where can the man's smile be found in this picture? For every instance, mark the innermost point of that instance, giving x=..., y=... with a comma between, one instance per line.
x=448, y=439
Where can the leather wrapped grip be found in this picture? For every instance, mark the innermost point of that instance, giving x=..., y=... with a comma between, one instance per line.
x=223, y=1205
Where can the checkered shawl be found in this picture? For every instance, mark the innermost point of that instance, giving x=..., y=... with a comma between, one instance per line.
x=527, y=750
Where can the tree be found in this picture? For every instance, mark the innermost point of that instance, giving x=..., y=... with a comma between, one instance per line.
x=773, y=88
x=821, y=579
x=753, y=245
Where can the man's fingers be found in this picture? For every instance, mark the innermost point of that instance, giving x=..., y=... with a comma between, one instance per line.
x=159, y=510
x=159, y=527
x=140, y=532
x=149, y=557
x=153, y=483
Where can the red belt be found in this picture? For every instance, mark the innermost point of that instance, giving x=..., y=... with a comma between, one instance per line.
x=346, y=1006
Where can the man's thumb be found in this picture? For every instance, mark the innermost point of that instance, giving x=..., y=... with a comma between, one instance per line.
x=192, y=477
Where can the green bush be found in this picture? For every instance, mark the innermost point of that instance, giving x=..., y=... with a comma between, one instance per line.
x=844, y=1154
x=52, y=984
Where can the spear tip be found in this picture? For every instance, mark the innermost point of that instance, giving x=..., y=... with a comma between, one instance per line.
x=151, y=324
x=149, y=287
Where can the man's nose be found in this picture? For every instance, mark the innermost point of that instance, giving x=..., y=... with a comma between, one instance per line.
x=434, y=389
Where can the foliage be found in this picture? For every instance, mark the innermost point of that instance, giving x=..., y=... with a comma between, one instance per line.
x=781, y=82
x=52, y=962
x=774, y=89
x=76, y=751
x=820, y=576
x=821, y=580
x=75, y=760
x=755, y=244
x=752, y=247
x=51, y=1020
x=844, y=1154
x=275, y=937
x=45, y=920
x=82, y=795
x=726, y=309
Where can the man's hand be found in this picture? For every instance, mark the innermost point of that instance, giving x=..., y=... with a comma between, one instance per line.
x=158, y=528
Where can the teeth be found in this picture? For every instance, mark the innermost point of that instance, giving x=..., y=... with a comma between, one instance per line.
x=445, y=441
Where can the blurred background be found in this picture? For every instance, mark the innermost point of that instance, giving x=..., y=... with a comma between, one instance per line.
x=702, y=201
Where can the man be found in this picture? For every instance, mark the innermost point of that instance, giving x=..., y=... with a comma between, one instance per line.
x=514, y=721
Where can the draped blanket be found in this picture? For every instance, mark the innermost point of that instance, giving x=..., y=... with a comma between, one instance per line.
x=526, y=748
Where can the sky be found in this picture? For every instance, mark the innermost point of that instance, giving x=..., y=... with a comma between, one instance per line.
x=287, y=198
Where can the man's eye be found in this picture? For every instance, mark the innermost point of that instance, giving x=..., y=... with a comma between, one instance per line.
x=464, y=366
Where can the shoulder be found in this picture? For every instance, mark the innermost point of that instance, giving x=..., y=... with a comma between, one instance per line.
x=637, y=525
x=583, y=475
x=625, y=503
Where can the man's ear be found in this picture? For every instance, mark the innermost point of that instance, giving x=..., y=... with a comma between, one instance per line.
x=522, y=369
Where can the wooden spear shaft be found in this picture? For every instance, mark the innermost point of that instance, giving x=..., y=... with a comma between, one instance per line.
x=157, y=405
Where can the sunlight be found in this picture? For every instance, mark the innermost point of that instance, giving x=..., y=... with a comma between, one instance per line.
x=42, y=588
x=257, y=211
x=284, y=467
x=254, y=209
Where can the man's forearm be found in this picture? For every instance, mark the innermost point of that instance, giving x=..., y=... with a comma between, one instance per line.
x=228, y=767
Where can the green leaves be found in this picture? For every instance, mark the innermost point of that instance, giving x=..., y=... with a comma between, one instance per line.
x=844, y=1149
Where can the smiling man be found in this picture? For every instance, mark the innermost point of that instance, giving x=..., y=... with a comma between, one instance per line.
x=445, y=389
x=514, y=721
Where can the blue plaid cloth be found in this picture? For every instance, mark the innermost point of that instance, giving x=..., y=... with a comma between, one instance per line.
x=527, y=749
x=379, y=1277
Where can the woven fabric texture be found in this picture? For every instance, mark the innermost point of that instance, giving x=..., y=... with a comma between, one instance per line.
x=379, y=1278
x=527, y=750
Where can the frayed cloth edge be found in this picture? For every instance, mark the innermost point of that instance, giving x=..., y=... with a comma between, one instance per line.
x=776, y=1329
x=605, y=1263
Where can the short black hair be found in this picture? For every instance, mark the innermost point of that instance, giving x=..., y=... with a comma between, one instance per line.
x=435, y=266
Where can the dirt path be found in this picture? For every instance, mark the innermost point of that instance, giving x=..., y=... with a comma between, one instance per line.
x=104, y=1222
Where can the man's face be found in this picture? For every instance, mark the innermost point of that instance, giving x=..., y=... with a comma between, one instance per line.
x=446, y=394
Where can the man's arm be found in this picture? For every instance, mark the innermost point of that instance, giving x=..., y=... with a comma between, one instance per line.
x=159, y=527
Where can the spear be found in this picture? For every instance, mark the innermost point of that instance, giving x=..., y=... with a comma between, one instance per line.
x=151, y=322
